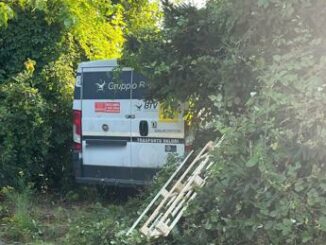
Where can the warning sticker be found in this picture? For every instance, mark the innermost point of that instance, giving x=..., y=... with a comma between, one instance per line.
x=168, y=115
x=108, y=107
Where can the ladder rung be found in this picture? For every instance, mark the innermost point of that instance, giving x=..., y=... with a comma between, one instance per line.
x=198, y=181
x=164, y=192
x=163, y=228
x=179, y=187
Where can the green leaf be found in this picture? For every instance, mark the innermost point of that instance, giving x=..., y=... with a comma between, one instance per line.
x=252, y=162
x=286, y=226
x=306, y=237
x=322, y=223
x=299, y=185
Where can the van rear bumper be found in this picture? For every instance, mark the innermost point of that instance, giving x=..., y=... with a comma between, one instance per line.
x=111, y=182
x=111, y=175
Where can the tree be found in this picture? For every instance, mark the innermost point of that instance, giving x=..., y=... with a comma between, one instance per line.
x=257, y=67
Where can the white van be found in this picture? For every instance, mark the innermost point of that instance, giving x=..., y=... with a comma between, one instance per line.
x=119, y=136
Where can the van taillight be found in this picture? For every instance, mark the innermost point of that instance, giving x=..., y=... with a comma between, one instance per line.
x=77, y=127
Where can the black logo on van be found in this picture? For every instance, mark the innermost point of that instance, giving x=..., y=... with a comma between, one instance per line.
x=147, y=106
x=139, y=106
x=150, y=105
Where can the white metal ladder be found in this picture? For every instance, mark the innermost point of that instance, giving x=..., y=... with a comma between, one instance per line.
x=175, y=195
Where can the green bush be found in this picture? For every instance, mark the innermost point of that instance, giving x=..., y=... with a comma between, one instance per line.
x=22, y=131
x=268, y=183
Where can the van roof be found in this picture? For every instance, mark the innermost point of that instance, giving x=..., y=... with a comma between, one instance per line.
x=97, y=63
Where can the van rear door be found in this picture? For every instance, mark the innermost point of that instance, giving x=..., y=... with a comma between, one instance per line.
x=154, y=134
x=106, y=120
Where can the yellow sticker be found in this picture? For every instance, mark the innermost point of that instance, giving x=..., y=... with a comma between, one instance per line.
x=167, y=115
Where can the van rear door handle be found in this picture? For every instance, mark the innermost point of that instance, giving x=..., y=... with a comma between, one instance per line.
x=143, y=128
x=130, y=116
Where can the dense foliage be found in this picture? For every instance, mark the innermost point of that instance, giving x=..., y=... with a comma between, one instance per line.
x=41, y=43
x=258, y=68
x=251, y=69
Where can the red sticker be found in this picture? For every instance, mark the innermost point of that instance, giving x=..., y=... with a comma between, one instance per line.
x=108, y=107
